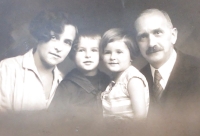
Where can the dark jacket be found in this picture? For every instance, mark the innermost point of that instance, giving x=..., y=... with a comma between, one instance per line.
x=77, y=93
x=182, y=92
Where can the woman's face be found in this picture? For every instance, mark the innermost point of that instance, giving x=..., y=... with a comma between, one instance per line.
x=55, y=50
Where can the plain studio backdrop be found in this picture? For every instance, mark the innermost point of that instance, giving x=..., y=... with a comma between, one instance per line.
x=101, y=15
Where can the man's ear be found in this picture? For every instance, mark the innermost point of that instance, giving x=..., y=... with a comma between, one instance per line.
x=174, y=33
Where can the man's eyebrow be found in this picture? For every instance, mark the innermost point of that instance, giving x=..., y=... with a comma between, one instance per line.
x=158, y=29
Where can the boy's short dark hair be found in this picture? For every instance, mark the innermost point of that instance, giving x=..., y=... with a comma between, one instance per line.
x=116, y=34
x=82, y=34
x=46, y=22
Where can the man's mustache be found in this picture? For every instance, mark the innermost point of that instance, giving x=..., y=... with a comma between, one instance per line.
x=154, y=49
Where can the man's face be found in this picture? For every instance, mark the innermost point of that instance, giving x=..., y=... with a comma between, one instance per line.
x=155, y=38
x=55, y=51
x=87, y=55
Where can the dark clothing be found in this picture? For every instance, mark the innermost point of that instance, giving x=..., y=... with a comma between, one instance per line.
x=182, y=92
x=78, y=93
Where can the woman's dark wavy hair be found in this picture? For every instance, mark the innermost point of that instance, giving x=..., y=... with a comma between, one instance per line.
x=116, y=34
x=46, y=22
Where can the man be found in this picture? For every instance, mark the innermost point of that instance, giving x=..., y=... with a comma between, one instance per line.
x=29, y=82
x=173, y=77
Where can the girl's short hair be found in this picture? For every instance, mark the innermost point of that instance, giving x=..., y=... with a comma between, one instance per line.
x=116, y=34
x=47, y=22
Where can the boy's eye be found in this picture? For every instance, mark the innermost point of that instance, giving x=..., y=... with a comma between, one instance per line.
x=95, y=50
x=80, y=50
x=69, y=42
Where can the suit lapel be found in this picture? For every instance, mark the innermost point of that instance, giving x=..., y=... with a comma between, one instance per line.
x=172, y=88
x=177, y=82
x=146, y=71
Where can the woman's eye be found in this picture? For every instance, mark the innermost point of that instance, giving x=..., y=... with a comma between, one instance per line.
x=53, y=37
x=69, y=42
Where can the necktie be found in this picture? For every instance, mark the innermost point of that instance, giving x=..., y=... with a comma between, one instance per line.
x=157, y=88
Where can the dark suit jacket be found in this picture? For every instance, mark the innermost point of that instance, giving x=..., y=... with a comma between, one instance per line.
x=182, y=89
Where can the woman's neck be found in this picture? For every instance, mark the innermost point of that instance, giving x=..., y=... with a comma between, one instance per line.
x=41, y=66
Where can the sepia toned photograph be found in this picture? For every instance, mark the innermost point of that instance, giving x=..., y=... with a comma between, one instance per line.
x=99, y=68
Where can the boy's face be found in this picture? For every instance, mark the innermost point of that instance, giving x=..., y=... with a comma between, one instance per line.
x=87, y=55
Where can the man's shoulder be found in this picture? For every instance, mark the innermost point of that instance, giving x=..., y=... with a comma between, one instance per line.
x=188, y=61
x=145, y=70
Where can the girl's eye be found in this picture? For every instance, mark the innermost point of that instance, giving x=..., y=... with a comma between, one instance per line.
x=95, y=50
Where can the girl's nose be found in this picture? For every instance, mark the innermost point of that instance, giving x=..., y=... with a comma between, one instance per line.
x=113, y=56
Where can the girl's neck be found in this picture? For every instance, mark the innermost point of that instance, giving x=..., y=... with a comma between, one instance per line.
x=116, y=75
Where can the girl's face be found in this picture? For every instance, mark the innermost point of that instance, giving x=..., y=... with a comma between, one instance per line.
x=116, y=56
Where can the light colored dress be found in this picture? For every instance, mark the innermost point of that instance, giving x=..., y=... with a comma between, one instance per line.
x=116, y=100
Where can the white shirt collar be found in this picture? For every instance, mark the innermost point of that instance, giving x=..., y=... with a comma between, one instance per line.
x=165, y=69
x=29, y=63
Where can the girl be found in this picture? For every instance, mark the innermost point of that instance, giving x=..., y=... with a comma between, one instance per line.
x=128, y=94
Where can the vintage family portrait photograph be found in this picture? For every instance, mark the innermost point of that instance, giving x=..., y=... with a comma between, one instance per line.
x=99, y=68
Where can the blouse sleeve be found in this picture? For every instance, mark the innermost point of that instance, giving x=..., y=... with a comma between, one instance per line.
x=7, y=83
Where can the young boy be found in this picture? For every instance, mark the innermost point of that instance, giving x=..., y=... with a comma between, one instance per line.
x=81, y=88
